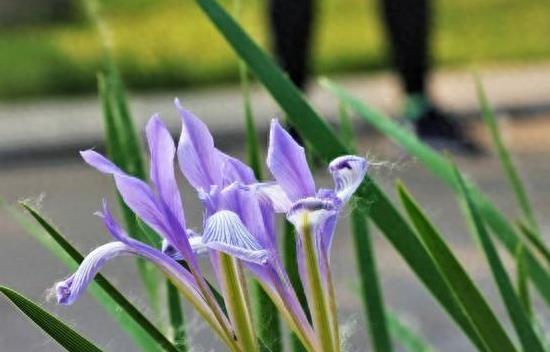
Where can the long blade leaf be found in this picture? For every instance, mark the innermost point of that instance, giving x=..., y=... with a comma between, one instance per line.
x=441, y=168
x=527, y=336
x=366, y=263
x=464, y=288
x=504, y=156
x=325, y=143
x=71, y=340
x=370, y=286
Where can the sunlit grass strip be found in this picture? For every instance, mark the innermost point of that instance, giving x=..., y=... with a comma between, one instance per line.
x=440, y=167
x=312, y=128
x=131, y=320
x=520, y=320
x=470, y=297
x=71, y=340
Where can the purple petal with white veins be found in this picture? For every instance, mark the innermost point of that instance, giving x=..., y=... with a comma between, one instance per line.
x=68, y=290
x=348, y=172
x=162, y=150
x=225, y=232
x=287, y=161
x=198, y=158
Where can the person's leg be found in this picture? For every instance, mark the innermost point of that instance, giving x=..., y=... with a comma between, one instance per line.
x=408, y=27
x=291, y=31
x=408, y=24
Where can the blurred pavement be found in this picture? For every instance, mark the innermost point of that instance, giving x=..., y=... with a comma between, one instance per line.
x=62, y=125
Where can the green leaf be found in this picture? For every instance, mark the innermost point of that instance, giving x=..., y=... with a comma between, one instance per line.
x=291, y=265
x=346, y=128
x=175, y=315
x=535, y=241
x=465, y=290
x=130, y=319
x=522, y=282
x=504, y=156
x=370, y=286
x=325, y=143
x=71, y=340
x=527, y=336
x=366, y=264
x=410, y=341
x=442, y=169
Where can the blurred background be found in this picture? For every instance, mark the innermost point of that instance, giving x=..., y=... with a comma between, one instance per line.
x=50, y=55
x=47, y=47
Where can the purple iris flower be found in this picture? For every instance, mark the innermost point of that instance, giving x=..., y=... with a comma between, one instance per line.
x=160, y=206
x=314, y=215
x=239, y=221
x=238, y=229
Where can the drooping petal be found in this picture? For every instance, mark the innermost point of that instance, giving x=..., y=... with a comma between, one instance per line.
x=348, y=172
x=272, y=193
x=68, y=290
x=162, y=150
x=197, y=156
x=287, y=161
x=225, y=232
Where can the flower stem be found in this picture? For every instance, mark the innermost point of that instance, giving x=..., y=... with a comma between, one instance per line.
x=317, y=298
x=238, y=307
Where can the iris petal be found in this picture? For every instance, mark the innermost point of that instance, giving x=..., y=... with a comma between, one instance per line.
x=272, y=193
x=198, y=158
x=287, y=161
x=162, y=150
x=348, y=172
x=225, y=232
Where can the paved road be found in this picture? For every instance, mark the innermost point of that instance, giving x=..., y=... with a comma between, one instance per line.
x=34, y=129
x=72, y=192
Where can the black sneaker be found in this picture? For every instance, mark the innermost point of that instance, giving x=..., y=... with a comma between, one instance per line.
x=442, y=132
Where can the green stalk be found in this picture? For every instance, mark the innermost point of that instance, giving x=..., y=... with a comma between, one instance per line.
x=176, y=317
x=291, y=265
x=317, y=299
x=234, y=290
x=370, y=286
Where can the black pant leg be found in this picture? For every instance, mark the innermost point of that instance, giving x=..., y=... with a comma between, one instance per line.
x=408, y=26
x=291, y=31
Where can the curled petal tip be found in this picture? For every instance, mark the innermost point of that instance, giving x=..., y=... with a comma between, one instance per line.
x=62, y=291
x=348, y=172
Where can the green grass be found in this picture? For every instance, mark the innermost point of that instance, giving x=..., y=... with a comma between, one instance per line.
x=171, y=44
